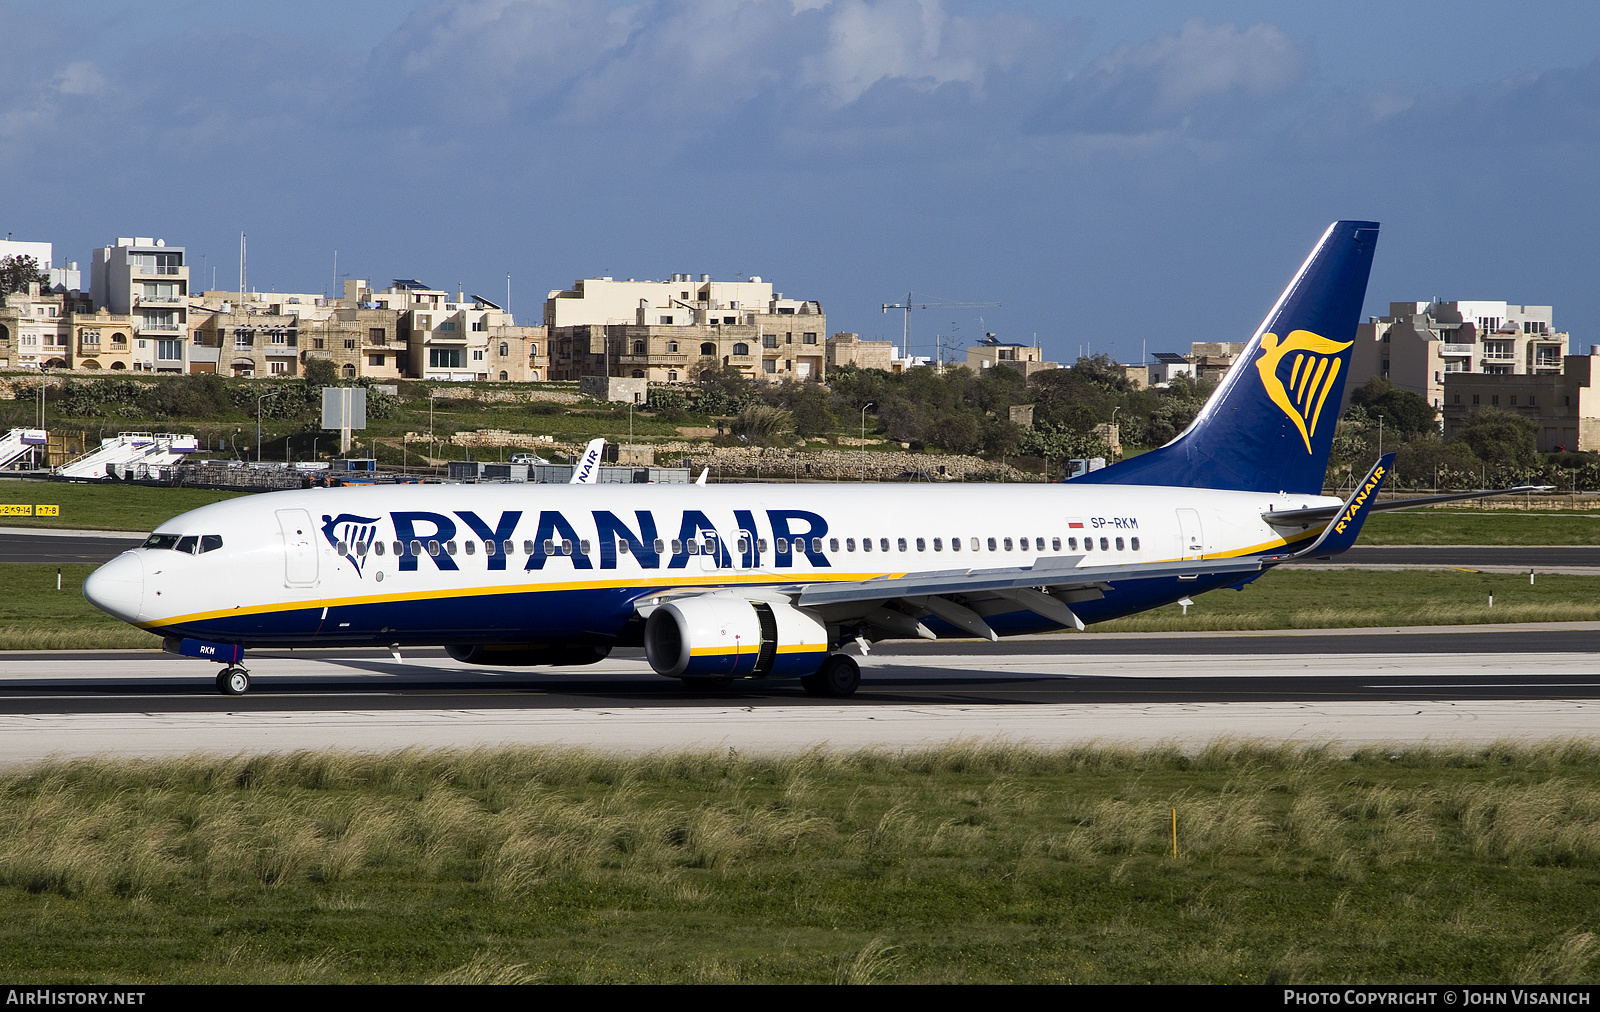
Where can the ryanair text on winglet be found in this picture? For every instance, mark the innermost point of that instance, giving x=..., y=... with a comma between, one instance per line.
x=1373, y=482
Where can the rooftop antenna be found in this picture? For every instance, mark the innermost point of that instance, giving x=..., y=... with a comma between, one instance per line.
x=241, y=267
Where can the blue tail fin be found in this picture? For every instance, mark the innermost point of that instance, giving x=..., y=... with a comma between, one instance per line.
x=1269, y=426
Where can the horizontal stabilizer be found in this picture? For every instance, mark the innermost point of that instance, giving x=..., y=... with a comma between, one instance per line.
x=1319, y=513
x=1343, y=530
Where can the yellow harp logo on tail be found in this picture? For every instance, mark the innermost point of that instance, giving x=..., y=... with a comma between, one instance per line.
x=1313, y=366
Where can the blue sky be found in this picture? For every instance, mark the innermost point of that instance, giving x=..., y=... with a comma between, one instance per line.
x=1118, y=176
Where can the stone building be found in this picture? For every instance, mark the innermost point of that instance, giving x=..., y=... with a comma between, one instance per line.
x=995, y=352
x=1421, y=344
x=847, y=349
x=668, y=331
x=1564, y=404
x=62, y=330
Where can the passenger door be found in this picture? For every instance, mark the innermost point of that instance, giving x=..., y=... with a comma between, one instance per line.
x=299, y=548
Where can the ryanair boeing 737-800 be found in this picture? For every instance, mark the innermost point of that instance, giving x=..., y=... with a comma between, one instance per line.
x=773, y=581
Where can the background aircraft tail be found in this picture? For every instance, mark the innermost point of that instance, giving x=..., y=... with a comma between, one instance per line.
x=588, y=470
x=1269, y=426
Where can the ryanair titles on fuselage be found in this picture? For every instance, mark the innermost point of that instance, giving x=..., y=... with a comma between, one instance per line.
x=794, y=532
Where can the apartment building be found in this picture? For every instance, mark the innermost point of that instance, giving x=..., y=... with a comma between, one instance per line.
x=1420, y=344
x=149, y=281
x=1563, y=403
x=667, y=331
x=54, y=330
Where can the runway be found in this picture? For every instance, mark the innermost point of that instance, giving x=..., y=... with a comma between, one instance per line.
x=1449, y=685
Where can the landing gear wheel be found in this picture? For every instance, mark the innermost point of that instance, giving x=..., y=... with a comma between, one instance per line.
x=839, y=676
x=233, y=681
x=703, y=684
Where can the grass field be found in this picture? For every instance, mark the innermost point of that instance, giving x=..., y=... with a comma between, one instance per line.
x=964, y=864
x=1508, y=526
x=104, y=507
x=34, y=616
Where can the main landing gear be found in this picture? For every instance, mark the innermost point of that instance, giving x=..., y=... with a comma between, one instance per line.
x=233, y=681
x=839, y=676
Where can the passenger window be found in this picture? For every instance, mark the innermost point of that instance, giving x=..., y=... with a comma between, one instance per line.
x=1008, y=544
x=583, y=547
x=833, y=544
x=361, y=548
x=1119, y=544
x=510, y=547
x=190, y=544
x=377, y=546
x=883, y=543
x=488, y=548
x=341, y=548
x=744, y=545
x=527, y=547
x=450, y=547
x=472, y=547
x=711, y=544
x=1134, y=544
x=938, y=544
x=549, y=547
x=902, y=544
x=399, y=548
x=761, y=544
x=1055, y=544
x=993, y=547
x=783, y=546
x=974, y=544
x=816, y=545
x=1105, y=544
x=433, y=548
x=416, y=548
x=849, y=544
x=922, y=545
x=622, y=547
x=566, y=547
x=955, y=544
x=210, y=543
x=661, y=546
x=1038, y=544
x=692, y=548
x=1072, y=544
x=1088, y=544
x=866, y=544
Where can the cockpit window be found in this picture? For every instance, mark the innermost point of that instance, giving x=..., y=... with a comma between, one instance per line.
x=193, y=544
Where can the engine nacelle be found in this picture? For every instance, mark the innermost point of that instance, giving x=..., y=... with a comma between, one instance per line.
x=527, y=654
x=718, y=636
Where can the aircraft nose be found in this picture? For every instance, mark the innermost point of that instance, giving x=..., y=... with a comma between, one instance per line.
x=117, y=588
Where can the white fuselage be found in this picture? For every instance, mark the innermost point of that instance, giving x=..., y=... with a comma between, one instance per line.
x=448, y=564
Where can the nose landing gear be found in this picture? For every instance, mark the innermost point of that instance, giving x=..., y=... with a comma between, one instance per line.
x=233, y=681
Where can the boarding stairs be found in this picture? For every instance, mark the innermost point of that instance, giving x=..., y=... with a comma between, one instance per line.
x=16, y=443
x=140, y=452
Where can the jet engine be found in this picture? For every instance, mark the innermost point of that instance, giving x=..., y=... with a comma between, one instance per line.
x=526, y=654
x=717, y=636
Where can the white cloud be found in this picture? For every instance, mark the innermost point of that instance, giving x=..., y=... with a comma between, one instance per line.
x=81, y=78
x=1202, y=71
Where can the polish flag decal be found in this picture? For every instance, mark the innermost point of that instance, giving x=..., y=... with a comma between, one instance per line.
x=1074, y=524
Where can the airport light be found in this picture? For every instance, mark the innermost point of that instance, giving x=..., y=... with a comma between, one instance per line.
x=259, y=401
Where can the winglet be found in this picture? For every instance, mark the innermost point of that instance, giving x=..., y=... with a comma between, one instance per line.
x=588, y=468
x=702, y=479
x=1343, y=530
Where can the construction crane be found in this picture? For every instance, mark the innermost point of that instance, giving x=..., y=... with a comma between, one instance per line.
x=909, y=305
